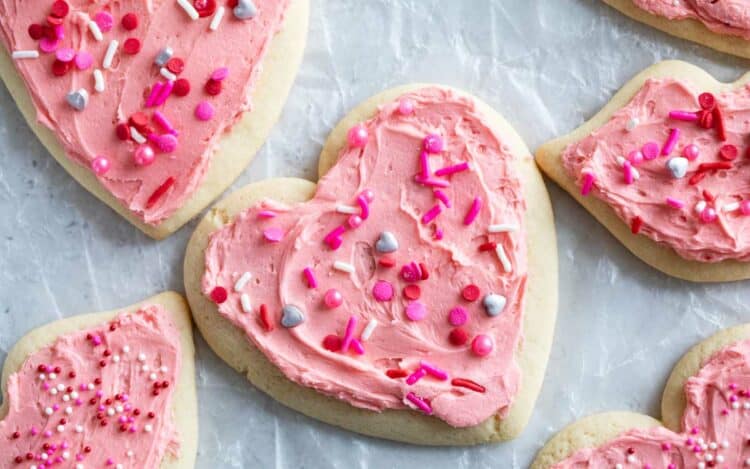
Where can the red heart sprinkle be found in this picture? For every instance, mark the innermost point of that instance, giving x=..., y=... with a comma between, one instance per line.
x=60, y=68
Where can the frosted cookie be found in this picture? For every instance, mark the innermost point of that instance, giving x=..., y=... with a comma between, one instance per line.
x=154, y=107
x=662, y=167
x=410, y=295
x=706, y=414
x=113, y=389
x=721, y=25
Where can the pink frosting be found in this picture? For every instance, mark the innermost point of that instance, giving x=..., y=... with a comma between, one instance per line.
x=716, y=424
x=238, y=45
x=672, y=211
x=437, y=256
x=96, y=397
x=724, y=16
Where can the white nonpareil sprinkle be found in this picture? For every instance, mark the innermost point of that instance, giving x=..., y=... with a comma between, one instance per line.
x=242, y=281
x=347, y=209
x=632, y=124
x=110, y=54
x=141, y=357
x=167, y=74
x=700, y=206
x=79, y=429
x=148, y=428
x=99, y=85
x=135, y=135
x=343, y=267
x=507, y=267
x=731, y=207
x=60, y=428
x=247, y=307
x=126, y=349
x=369, y=329
x=502, y=228
x=25, y=54
x=48, y=411
x=216, y=20
x=95, y=31
x=635, y=173
x=189, y=9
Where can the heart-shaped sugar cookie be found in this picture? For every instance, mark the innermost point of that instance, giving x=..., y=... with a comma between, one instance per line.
x=427, y=204
x=113, y=389
x=154, y=107
x=705, y=410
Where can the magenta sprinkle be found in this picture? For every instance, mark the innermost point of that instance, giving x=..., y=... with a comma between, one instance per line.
x=333, y=239
x=357, y=346
x=434, y=371
x=431, y=214
x=685, y=116
x=164, y=94
x=416, y=376
x=476, y=206
x=448, y=170
x=588, y=183
x=424, y=160
x=273, y=234
x=439, y=234
x=162, y=120
x=155, y=91
x=675, y=203
x=349, y=333
x=419, y=403
x=431, y=182
x=627, y=169
x=266, y=214
x=674, y=135
x=440, y=195
x=220, y=73
x=364, y=207
x=650, y=150
x=310, y=277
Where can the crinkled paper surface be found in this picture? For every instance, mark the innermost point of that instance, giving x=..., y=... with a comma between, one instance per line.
x=547, y=65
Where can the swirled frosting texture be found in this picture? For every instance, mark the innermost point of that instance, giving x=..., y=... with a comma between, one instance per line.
x=682, y=229
x=723, y=16
x=61, y=397
x=238, y=45
x=387, y=166
x=715, y=424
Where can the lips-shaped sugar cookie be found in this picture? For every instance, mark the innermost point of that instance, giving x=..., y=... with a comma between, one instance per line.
x=722, y=25
x=705, y=411
x=113, y=389
x=154, y=107
x=663, y=167
x=412, y=297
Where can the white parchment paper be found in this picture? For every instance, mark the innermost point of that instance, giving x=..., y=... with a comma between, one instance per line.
x=547, y=65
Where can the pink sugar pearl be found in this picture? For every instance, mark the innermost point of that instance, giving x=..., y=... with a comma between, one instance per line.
x=357, y=136
x=650, y=150
x=416, y=311
x=144, y=155
x=382, y=290
x=405, y=107
x=635, y=157
x=333, y=298
x=433, y=143
x=204, y=111
x=482, y=345
x=691, y=152
x=369, y=195
x=355, y=221
x=745, y=207
x=100, y=165
x=708, y=215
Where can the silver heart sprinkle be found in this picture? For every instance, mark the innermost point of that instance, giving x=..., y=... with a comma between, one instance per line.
x=245, y=10
x=678, y=166
x=494, y=304
x=386, y=243
x=78, y=99
x=291, y=316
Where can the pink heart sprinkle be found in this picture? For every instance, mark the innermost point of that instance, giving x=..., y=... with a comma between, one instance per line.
x=273, y=235
x=204, y=111
x=83, y=60
x=416, y=311
x=220, y=74
x=104, y=20
x=65, y=54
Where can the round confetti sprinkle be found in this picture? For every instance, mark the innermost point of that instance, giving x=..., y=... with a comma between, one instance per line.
x=416, y=311
x=273, y=234
x=219, y=295
x=60, y=8
x=458, y=336
x=131, y=46
x=650, y=150
x=707, y=101
x=728, y=152
x=122, y=131
x=139, y=120
x=36, y=31
x=220, y=74
x=130, y=21
x=204, y=111
x=167, y=143
x=332, y=343
x=104, y=20
x=48, y=45
x=470, y=292
x=482, y=345
x=333, y=298
x=433, y=143
x=83, y=60
x=60, y=68
x=357, y=136
x=181, y=87
x=65, y=54
x=382, y=290
x=213, y=87
x=458, y=316
x=144, y=155
x=205, y=7
x=100, y=165
x=412, y=292
x=175, y=65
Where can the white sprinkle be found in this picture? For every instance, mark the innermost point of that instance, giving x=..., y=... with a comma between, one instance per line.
x=152, y=376
x=119, y=466
x=116, y=359
x=130, y=453
x=110, y=412
x=141, y=357
x=119, y=409
x=69, y=410
x=53, y=391
x=167, y=74
x=347, y=209
x=163, y=369
x=148, y=428
x=79, y=466
x=502, y=228
x=700, y=206
x=735, y=405
x=60, y=428
x=216, y=20
x=79, y=429
x=48, y=411
x=95, y=31
x=719, y=458
x=110, y=54
x=632, y=124
x=135, y=135
x=25, y=54
x=731, y=207
x=630, y=458
x=621, y=160
x=90, y=386
x=66, y=398
x=747, y=462
x=713, y=446
x=343, y=267
x=635, y=173
x=145, y=368
x=99, y=85
x=189, y=9
x=507, y=267
x=42, y=377
x=74, y=394
x=242, y=281
x=52, y=376
x=369, y=329
x=61, y=387
x=126, y=349
x=66, y=455
x=247, y=307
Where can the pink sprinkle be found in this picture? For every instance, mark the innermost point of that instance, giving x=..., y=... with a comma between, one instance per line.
x=424, y=160
x=416, y=376
x=357, y=136
x=166, y=143
x=357, y=346
x=382, y=290
x=674, y=136
x=448, y=170
x=333, y=298
x=440, y=195
x=650, y=150
x=406, y=106
x=154, y=95
x=310, y=278
x=273, y=234
x=83, y=60
x=204, y=111
x=48, y=45
x=438, y=234
x=708, y=215
x=416, y=311
x=266, y=214
x=675, y=203
x=162, y=120
x=364, y=207
x=100, y=165
x=476, y=206
x=685, y=116
x=431, y=182
x=65, y=54
x=431, y=214
x=333, y=239
x=745, y=207
x=691, y=152
x=635, y=157
x=694, y=430
x=220, y=73
x=627, y=169
x=419, y=403
x=47, y=433
x=433, y=143
x=354, y=221
x=59, y=31
x=104, y=20
x=588, y=183
x=458, y=316
x=434, y=371
x=165, y=92
x=34, y=431
x=349, y=333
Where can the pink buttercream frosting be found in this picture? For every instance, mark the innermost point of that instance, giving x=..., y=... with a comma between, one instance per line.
x=238, y=45
x=700, y=216
x=716, y=424
x=723, y=16
x=98, y=397
x=408, y=360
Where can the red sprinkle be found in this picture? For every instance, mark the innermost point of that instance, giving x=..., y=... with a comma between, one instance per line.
x=159, y=192
x=707, y=101
x=706, y=119
x=412, y=292
x=636, y=224
x=205, y=7
x=49, y=32
x=396, y=373
x=487, y=247
x=728, y=152
x=232, y=3
x=36, y=31
x=123, y=131
x=213, y=87
x=458, y=336
x=60, y=8
x=265, y=318
x=219, y=295
x=470, y=292
x=719, y=119
x=332, y=343
x=708, y=196
x=53, y=20
x=467, y=383
x=130, y=21
x=703, y=167
x=175, y=65
x=181, y=87
x=387, y=261
x=60, y=69
x=139, y=120
x=131, y=46
x=424, y=271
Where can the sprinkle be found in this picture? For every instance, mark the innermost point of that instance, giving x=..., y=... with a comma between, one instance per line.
x=458, y=316
x=728, y=152
x=347, y=209
x=332, y=343
x=447, y=171
x=129, y=21
x=405, y=106
x=131, y=46
x=273, y=234
x=25, y=54
x=470, y=293
x=162, y=120
x=100, y=165
x=700, y=206
x=419, y=403
x=357, y=136
x=507, y=267
x=155, y=91
x=218, y=295
x=627, y=169
x=731, y=207
x=181, y=87
x=78, y=99
x=189, y=9
x=441, y=196
x=135, y=135
x=494, y=304
x=216, y=20
x=266, y=214
x=386, y=243
x=482, y=345
x=425, y=164
x=467, y=383
x=343, y=267
x=434, y=371
x=333, y=298
x=349, y=333
x=382, y=291
x=476, y=206
x=431, y=182
x=416, y=376
x=717, y=165
x=241, y=282
x=412, y=292
x=291, y=316
x=245, y=10
x=359, y=349
x=674, y=135
x=650, y=150
x=310, y=278
x=159, y=192
x=719, y=119
x=588, y=183
x=167, y=74
x=164, y=93
x=364, y=206
x=163, y=56
x=98, y=81
x=636, y=224
x=247, y=307
x=685, y=116
x=431, y=214
x=632, y=124
x=204, y=111
x=502, y=228
x=265, y=318
x=110, y=54
x=675, y=203
x=416, y=311
x=396, y=373
x=83, y=60
x=369, y=329
x=95, y=31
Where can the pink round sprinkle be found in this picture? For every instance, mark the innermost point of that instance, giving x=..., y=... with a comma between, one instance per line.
x=708, y=215
x=482, y=345
x=745, y=207
x=273, y=234
x=354, y=221
x=104, y=20
x=635, y=157
x=691, y=152
x=357, y=136
x=220, y=74
x=144, y=155
x=204, y=111
x=333, y=298
x=65, y=54
x=369, y=195
x=405, y=106
x=650, y=150
x=167, y=143
x=416, y=311
x=458, y=316
x=100, y=165
x=433, y=143
x=48, y=45
x=382, y=290
x=83, y=60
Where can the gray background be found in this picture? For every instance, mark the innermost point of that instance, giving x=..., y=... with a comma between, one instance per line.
x=547, y=65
